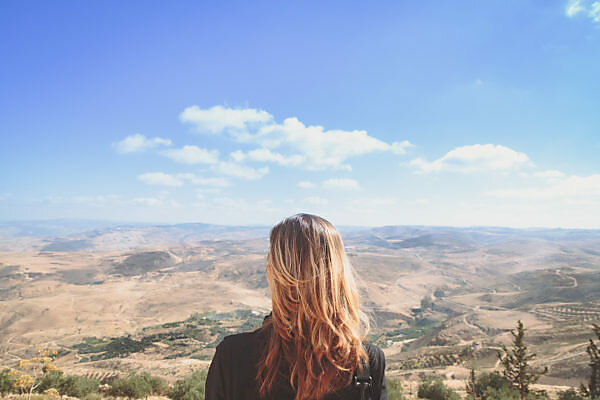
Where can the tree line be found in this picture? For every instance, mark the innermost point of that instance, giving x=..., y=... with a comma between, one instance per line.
x=39, y=375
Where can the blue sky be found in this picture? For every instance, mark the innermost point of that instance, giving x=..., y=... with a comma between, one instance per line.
x=368, y=113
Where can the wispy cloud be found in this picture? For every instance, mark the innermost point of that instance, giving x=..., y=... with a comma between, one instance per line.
x=574, y=7
x=266, y=155
x=147, y=201
x=218, y=118
x=316, y=201
x=585, y=7
x=160, y=179
x=93, y=201
x=192, y=155
x=341, y=183
x=549, y=174
x=475, y=157
x=240, y=171
x=138, y=142
x=204, y=181
x=573, y=187
x=594, y=13
x=305, y=184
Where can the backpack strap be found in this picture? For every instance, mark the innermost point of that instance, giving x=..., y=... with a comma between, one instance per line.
x=363, y=381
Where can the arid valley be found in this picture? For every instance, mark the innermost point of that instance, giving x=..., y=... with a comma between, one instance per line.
x=118, y=298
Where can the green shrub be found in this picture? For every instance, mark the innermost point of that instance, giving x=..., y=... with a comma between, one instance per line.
x=487, y=380
x=159, y=386
x=512, y=393
x=502, y=393
x=34, y=396
x=7, y=382
x=434, y=389
x=78, y=386
x=394, y=389
x=569, y=394
x=132, y=387
x=189, y=388
x=93, y=396
x=52, y=380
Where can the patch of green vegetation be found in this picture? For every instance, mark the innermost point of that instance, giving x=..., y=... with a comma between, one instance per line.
x=198, y=331
x=415, y=330
x=204, y=357
x=434, y=389
x=189, y=388
x=93, y=341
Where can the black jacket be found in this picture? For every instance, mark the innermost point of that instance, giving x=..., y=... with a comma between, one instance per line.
x=232, y=373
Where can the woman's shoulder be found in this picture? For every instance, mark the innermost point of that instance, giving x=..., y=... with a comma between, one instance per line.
x=373, y=350
x=376, y=356
x=239, y=343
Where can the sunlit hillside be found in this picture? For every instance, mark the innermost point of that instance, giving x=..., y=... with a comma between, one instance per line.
x=160, y=298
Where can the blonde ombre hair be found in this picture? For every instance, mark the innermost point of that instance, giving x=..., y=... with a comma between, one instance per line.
x=316, y=330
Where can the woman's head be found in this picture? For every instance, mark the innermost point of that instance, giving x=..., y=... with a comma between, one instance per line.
x=316, y=324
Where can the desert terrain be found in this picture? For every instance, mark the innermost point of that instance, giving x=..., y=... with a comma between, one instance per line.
x=114, y=298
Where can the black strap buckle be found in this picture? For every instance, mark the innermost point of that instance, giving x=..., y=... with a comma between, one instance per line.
x=362, y=383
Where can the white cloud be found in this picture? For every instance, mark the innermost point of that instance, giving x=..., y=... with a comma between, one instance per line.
x=594, y=13
x=266, y=155
x=305, y=184
x=192, y=155
x=211, y=190
x=549, y=174
x=400, y=147
x=198, y=180
x=146, y=201
x=573, y=187
x=322, y=148
x=238, y=156
x=311, y=147
x=475, y=157
x=231, y=203
x=160, y=178
x=316, y=201
x=93, y=201
x=138, y=142
x=341, y=183
x=574, y=7
x=241, y=171
x=218, y=118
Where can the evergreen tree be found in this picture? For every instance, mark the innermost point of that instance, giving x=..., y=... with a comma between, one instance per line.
x=515, y=362
x=426, y=303
x=471, y=392
x=593, y=389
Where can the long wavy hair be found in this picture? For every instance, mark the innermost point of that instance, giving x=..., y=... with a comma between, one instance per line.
x=317, y=329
